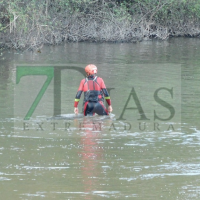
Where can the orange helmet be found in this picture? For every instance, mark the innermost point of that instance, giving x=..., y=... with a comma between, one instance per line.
x=91, y=69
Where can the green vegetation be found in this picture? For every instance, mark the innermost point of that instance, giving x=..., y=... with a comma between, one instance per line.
x=28, y=24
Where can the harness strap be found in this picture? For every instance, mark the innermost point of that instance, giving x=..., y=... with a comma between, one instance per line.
x=88, y=93
x=86, y=80
x=94, y=80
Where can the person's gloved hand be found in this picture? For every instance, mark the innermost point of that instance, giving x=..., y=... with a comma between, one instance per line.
x=76, y=110
x=110, y=109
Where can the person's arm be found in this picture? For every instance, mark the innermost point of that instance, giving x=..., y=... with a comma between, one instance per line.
x=106, y=96
x=78, y=96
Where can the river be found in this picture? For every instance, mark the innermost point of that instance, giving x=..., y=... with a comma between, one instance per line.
x=148, y=148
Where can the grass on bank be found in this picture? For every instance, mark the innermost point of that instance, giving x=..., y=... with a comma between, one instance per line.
x=28, y=24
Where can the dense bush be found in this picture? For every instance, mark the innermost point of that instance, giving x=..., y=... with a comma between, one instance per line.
x=31, y=23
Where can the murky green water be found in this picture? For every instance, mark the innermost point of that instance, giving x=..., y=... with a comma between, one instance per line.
x=131, y=154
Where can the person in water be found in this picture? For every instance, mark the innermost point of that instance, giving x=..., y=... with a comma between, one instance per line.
x=94, y=92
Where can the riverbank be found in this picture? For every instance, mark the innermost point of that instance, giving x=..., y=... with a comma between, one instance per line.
x=29, y=25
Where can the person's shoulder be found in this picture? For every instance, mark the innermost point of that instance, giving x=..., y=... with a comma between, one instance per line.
x=99, y=78
x=82, y=81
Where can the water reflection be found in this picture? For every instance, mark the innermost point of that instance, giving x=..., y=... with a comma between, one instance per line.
x=91, y=154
